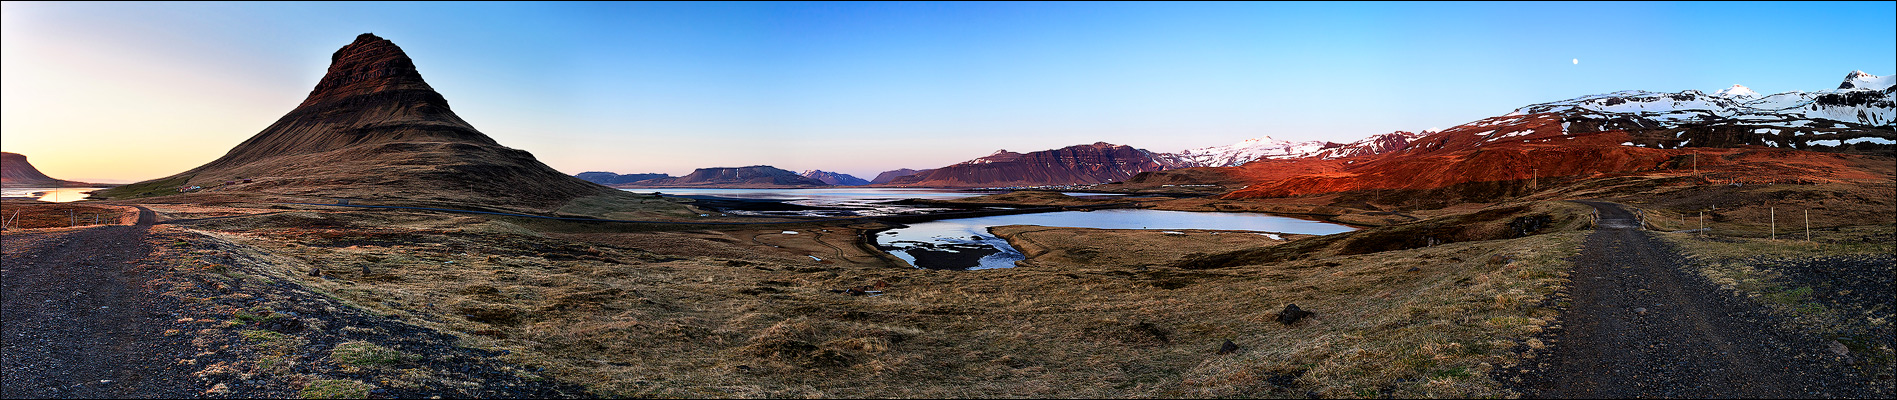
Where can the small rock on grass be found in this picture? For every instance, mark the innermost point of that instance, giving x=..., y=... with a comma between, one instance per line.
x=1228, y=347
x=1292, y=314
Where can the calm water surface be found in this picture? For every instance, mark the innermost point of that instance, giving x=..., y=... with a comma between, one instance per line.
x=968, y=232
x=49, y=194
x=863, y=201
x=970, y=235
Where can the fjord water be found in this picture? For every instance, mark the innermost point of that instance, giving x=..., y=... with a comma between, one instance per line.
x=963, y=233
x=860, y=201
x=60, y=195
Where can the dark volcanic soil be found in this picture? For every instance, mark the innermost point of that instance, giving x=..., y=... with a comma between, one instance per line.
x=1640, y=326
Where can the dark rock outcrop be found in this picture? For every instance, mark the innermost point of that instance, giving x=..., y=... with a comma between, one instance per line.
x=756, y=176
x=373, y=129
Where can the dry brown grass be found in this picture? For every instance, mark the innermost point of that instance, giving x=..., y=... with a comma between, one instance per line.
x=745, y=313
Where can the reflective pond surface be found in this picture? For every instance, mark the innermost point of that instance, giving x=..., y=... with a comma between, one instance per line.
x=953, y=242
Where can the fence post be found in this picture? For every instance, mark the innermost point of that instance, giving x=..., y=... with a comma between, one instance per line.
x=1774, y=215
x=1807, y=224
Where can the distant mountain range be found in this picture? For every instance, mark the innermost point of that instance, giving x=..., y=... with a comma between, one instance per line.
x=1856, y=117
x=1620, y=132
x=609, y=179
x=1084, y=164
x=756, y=176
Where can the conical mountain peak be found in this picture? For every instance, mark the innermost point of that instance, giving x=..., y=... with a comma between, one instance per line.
x=370, y=64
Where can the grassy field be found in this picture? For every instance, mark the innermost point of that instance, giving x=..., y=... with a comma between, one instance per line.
x=747, y=312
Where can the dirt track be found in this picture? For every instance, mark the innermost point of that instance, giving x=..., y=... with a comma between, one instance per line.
x=1638, y=326
x=79, y=325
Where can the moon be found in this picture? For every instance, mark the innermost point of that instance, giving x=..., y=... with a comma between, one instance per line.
x=1577, y=61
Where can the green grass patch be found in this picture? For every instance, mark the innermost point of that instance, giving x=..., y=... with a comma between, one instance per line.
x=335, y=389
x=365, y=354
x=144, y=189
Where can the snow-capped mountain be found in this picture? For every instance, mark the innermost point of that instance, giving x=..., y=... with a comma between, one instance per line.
x=1737, y=92
x=1862, y=99
x=1862, y=111
x=1242, y=152
x=1861, y=80
x=1373, y=145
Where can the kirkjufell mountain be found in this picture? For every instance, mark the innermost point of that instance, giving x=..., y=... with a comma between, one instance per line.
x=373, y=129
x=16, y=172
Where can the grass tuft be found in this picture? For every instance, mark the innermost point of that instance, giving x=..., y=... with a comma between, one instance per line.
x=335, y=389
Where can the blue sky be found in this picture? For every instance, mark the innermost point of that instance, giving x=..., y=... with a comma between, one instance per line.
x=129, y=91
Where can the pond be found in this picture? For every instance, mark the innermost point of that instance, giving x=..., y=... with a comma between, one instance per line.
x=965, y=244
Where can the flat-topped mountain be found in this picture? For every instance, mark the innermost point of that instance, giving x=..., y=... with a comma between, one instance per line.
x=1084, y=164
x=16, y=172
x=756, y=176
x=886, y=176
x=373, y=129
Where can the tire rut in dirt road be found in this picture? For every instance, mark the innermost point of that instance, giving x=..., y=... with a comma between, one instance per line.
x=79, y=321
x=1639, y=326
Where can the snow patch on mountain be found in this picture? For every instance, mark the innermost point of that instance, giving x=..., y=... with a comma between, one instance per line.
x=1737, y=91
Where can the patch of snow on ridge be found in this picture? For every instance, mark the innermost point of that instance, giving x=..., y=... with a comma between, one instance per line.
x=1737, y=91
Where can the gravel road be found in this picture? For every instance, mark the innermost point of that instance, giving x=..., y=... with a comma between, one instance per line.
x=78, y=324
x=1637, y=325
